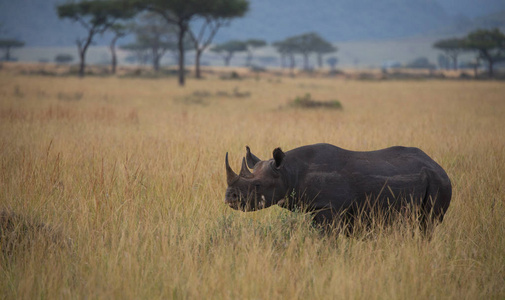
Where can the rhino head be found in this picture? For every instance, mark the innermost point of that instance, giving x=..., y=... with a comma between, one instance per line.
x=261, y=188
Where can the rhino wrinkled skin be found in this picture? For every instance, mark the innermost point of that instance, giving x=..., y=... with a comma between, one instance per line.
x=330, y=182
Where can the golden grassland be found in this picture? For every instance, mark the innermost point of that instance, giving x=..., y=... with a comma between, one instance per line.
x=128, y=176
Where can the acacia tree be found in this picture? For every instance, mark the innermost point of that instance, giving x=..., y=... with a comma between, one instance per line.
x=154, y=34
x=201, y=40
x=208, y=25
x=8, y=44
x=182, y=12
x=188, y=45
x=489, y=44
x=119, y=31
x=452, y=48
x=321, y=47
x=421, y=63
x=308, y=43
x=229, y=48
x=302, y=44
x=252, y=44
x=287, y=49
x=282, y=52
x=96, y=17
x=141, y=53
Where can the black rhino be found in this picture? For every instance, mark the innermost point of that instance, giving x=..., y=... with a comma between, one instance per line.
x=335, y=184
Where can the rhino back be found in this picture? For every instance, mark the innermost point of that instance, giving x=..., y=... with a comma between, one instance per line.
x=332, y=176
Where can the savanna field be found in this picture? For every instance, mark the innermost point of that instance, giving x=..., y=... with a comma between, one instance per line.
x=114, y=187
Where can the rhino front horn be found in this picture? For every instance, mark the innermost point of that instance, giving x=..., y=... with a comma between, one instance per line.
x=230, y=175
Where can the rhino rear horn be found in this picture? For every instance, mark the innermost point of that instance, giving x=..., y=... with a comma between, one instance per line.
x=230, y=175
x=244, y=171
x=251, y=159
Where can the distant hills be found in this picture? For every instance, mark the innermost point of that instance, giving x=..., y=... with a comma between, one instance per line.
x=36, y=22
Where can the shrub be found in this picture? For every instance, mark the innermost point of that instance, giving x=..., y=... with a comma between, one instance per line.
x=232, y=76
x=421, y=63
x=257, y=69
x=307, y=102
x=19, y=233
x=63, y=58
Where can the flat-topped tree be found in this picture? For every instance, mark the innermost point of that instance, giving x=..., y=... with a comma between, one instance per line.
x=154, y=34
x=205, y=27
x=452, y=48
x=8, y=44
x=253, y=44
x=301, y=44
x=152, y=43
x=287, y=48
x=118, y=31
x=182, y=12
x=140, y=53
x=304, y=44
x=282, y=52
x=96, y=16
x=229, y=48
x=321, y=47
x=489, y=44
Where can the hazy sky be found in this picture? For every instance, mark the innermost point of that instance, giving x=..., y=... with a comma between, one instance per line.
x=36, y=22
x=472, y=8
x=385, y=24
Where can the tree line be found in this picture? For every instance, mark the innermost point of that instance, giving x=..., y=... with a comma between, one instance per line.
x=99, y=16
x=488, y=46
x=303, y=44
x=7, y=45
x=178, y=26
x=175, y=26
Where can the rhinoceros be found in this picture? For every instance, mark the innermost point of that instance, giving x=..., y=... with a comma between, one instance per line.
x=334, y=184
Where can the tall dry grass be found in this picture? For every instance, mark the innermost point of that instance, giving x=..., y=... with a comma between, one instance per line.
x=128, y=174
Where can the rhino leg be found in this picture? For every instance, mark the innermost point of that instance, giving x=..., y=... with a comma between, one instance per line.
x=327, y=221
x=435, y=203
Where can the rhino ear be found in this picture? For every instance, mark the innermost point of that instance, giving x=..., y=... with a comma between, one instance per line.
x=278, y=157
x=251, y=159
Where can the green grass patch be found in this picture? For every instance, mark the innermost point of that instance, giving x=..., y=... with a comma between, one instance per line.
x=306, y=101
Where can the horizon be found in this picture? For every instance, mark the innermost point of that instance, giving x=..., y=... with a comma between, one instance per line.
x=364, y=51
